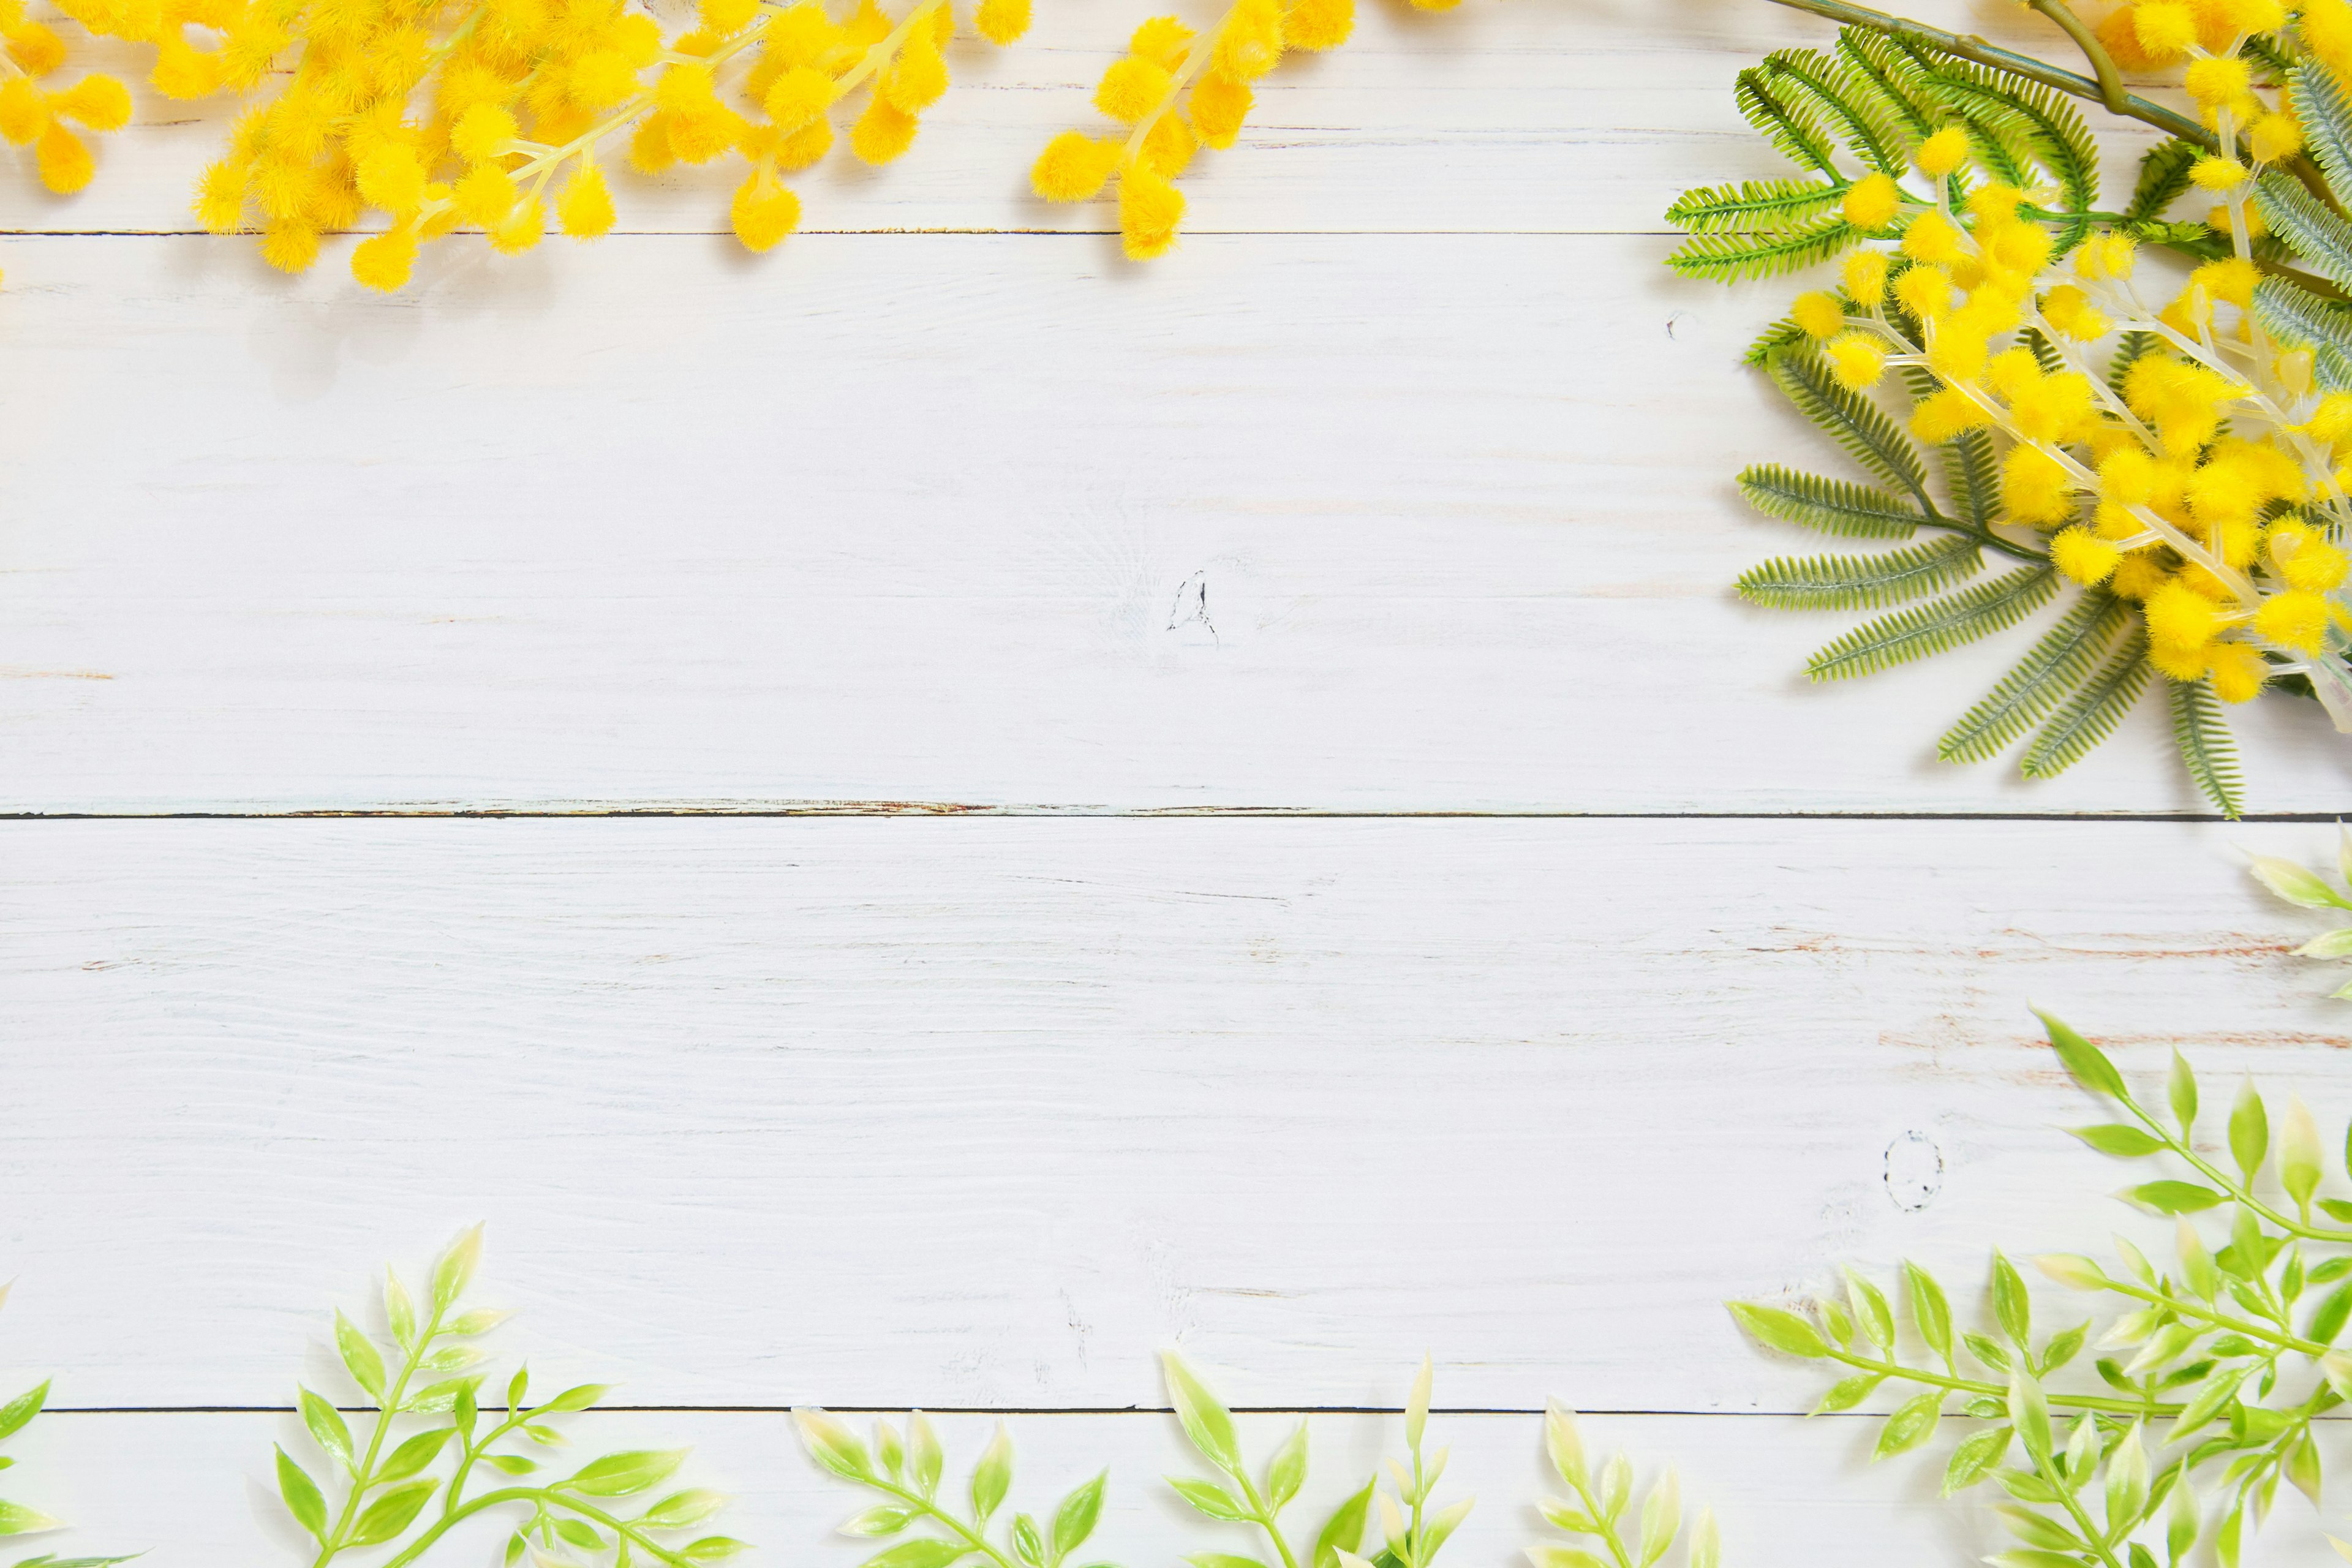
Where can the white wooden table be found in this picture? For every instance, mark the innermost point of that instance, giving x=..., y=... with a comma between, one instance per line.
x=1040, y=812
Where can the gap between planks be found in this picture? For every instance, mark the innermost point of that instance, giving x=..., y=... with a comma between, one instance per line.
x=1279, y=813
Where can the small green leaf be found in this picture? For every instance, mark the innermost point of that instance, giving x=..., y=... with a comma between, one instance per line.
x=512, y=1464
x=1222, y=1560
x=16, y=1518
x=1206, y=1421
x=2088, y=1065
x=680, y=1510
x=414, y=1454
x=2297, y=885
x=1847, y=1393
x=1782, y=1331
x=2182, y=1089
x=441, y=1398
x=1209, y=1498
x=619, y=1475
x=2335, y=944
x=1871, y=1310
x=2328, y=1318
x=2173, y=1198
x=2115, y=1138
x=882, y=1519
x=399, y=1310
x=454, y=1271
x=1028, y=1544
x=1661, y=1516
x=1548, y=1555
x=392, y=1512
x=1931, y=1314
x=714, y=1548
x=2011, y=1304
x=924, y=1458
x=1912, y=1422
x=1073, y=1522
x=992, y=1476
x=833, y=1445
x=1975, y=1458
x=1344, y=1530
x=579, y=1533
x=21, y=1409
x=360, y=1357
x=301, y=1496
x=924, y=1551
x=2030, y=1413
x=570, y=1399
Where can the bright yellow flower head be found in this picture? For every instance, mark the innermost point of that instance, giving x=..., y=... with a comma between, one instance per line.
x=1943, y=152
x=1872, y=204
x=2237, y=671
x=2275, y=136
x=1933, y=238
x=2216, y=81
x=2070, y=311
x=1857, y=360
x=1865, y=277
x=2035, y=488
x=2180, y=619
x=1820, y=315
x=2214, y=173
x=2296, y=619
x=2084, y=556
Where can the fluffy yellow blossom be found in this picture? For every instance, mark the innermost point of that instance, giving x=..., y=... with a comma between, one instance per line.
x=2273, y=137
x=1820, y=315
x=2069, y=310
x=1941, y=153
x=2083, y=555
x=2216, y=82
x=1857, y=359
x=489, y=113
x=1872, y=204
x=1865, y=277
x=2215, y=172
x=2237, y=669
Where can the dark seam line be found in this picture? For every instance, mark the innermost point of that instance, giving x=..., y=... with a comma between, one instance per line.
x=1153, y=1410
x=1147, y=813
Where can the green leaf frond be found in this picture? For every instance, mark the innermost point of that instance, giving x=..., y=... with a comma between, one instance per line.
x=2322, y=240
x=1971, y=466
x=1856, y=423
x=2326, y=116
x=1784, y=121
x=1780, y=335
x=2163, y=179
x=2046, y=123
x=1752, y=204
x=2091, y=715
x=1893, y=78
x=1740, y=257
x=2045, y=352
x=2130, y=349
x=2059, y=663
x=1846, y=103
x=1828, y=506
x=2267, y=58
x=1861, y=582
x=2207, y=748
x=1932, y=628
x=2297, y=317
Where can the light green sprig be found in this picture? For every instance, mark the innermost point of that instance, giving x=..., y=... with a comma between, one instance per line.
x=423, y=1382
x=2308, y=889
x=1599, y=1509
x=16, y=1518
x=2220, y=1365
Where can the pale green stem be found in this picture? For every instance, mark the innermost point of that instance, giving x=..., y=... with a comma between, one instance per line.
x=362, y=1476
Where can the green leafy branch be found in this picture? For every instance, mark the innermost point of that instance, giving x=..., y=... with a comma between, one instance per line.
x=425, y=1371
x=1598, y=1510
x=16, y=1518
x=2218, y=1365
x=2308, y=889
x=906, y=1471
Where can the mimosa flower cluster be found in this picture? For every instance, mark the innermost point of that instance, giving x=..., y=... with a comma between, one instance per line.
x=493, y=114
x=2176, y=443
x=52, y=121
x=1173, y=92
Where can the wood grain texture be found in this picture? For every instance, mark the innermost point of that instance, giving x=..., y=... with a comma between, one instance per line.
x=1439, y=522
x=195, y=1487
x=984, y=1113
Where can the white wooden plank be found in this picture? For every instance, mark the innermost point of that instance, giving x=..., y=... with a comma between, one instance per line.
x=1520, y=118
x=1439, y=522
x=985, y=1112
x=196, y=1487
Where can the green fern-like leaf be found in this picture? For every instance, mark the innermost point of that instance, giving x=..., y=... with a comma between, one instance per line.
x=2207, y=749
x=1861, y=582
x=2045, y=123
x=2163, y=178
x=1845, y=103
x=1740, y=257
x=2296, y=217
x=1781, y=334
x=1855, y=421
x=2091, y=715
x=1828, y=505
x=2060, y=662
x=1931, y=628
x=1891, y=77
x=2298, y=318
x=2130, y=349
x=2326, y=115
x=2045, y=352
x=1752, y=204
x=1971, y=466
x=1786, y=124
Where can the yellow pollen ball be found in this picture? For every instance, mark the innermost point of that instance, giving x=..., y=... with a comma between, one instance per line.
x=1131, y=89
x=2275, y=136
x=2180, y=618
x=524, y=225
x=1943, y=415
x=65, y=161
x=882, y=132
x=2237, y=671
x=2164, y=31
x=1219, y=106
x=2295, y=619
x=1002, y=22
x=289, y=246
x=1318, y=23
x=1926, y=292
x=1872, y=203
x=1941, y=153
x=37, y=48
x=2213, y=172
x=2217, y=80
x=798, y=96
x=100, y=102
x=1149, y=209
x=1073, y=167
x=1162, y=40
x=764, y=212
x=726, y=17
x=389, y=177
x=1857, y=360
x=1820, y=315
x=1865, y=276
x=918, y=77
x=584, y=210
x=23, y=112
x=2035, y=488
x=1932, y=238
x=2084, y=556
x=384, y=261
